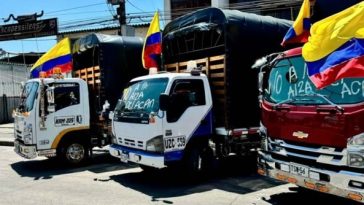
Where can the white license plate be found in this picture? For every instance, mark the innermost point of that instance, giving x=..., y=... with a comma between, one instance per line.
x=174, y=143
x=124, y=156
x=299, y=170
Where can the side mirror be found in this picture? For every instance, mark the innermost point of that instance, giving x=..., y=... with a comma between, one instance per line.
x=260, y=82
x=163, y=102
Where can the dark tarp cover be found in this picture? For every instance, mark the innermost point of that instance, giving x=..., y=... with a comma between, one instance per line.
x=119, y=59
x=243, y=38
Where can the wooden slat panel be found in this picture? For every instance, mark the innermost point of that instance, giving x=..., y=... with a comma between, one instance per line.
x=219, y=92
x=183, y=63
x=173, y=65
x=220, y=101
x=216, y=58
x=202, y=60
x=218, y=83
x=217, y=66
x=217, y=75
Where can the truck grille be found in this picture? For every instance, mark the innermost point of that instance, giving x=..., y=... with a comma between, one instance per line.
x=318, y=154
x=131, y=143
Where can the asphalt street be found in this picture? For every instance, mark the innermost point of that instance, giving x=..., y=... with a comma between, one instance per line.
x=105, y=180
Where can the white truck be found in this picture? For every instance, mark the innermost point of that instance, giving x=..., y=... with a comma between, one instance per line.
x=188, y=118
x=67, y=117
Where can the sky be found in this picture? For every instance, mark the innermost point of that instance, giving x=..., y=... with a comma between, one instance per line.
x=68, y=13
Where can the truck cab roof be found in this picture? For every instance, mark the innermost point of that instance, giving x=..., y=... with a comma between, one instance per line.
x=52, y=80
x=169, y=76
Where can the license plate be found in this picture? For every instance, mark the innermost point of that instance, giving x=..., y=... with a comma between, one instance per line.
x=299, y=170
x=124, y=156
x=174, y=143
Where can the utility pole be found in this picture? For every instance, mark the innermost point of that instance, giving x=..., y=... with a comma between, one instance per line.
x=121, y=14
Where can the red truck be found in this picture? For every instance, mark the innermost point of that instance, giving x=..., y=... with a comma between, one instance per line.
x=312, y=138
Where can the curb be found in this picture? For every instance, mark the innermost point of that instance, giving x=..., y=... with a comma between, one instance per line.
x=7, y=143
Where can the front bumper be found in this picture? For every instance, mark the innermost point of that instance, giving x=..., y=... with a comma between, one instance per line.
x=26, y=151
x=126, y=154
x=342, y=183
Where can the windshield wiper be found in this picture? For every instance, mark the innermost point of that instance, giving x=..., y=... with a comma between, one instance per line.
x=278, y=105
x=290, y=100
x=336, y=106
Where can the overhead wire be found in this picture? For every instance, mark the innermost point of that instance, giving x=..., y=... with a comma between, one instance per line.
x=134, y=6
x=78, y=7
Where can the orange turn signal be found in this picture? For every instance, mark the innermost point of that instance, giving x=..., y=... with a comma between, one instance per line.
x=261, y=171
x=281, y=177
x=356, y=197
x=292, y=180
x=310, y=185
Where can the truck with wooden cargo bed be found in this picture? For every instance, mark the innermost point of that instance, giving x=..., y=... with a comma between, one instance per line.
x=204, y=104
x=67, y=117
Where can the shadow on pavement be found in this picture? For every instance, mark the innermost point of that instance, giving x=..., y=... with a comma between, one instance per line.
x=304, y=196
x=101, y=161
x=237, y=175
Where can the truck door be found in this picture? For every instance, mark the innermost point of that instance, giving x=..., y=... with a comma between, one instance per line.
x=64, y=112
x=188, y=116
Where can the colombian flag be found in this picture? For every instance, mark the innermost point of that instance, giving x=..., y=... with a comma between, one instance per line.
x=300, y=29
x=152, y=45
x=335, y=49
x=58, y=56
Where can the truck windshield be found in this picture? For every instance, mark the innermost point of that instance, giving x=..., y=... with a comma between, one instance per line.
x=28, y=96
x=288, y=81
x=142, y=96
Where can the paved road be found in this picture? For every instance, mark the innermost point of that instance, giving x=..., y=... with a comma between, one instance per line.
x=107, y=181
x=7, y=134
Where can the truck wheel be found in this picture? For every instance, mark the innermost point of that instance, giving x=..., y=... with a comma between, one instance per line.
x=75, y=153
x=199, y=161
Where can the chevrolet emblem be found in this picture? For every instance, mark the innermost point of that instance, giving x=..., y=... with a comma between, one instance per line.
x=300, y=135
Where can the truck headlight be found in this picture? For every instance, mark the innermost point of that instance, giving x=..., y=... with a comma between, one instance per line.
x=28, y=134
x=155, y=144
x=355, y=150
x=27, y=139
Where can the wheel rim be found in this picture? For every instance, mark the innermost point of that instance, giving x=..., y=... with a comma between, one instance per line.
x=75, y=153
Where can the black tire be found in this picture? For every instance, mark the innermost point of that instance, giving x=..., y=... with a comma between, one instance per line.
x=199, y=161
x=74, y=153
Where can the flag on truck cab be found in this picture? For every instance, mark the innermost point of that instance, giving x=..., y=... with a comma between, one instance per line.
x=58, y=56
x=152, y=48
x=335, y=49
x=300, y=29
